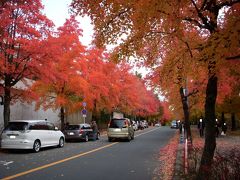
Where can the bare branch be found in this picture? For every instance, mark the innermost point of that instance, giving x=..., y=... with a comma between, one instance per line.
x=237, y=57
x=195, y=91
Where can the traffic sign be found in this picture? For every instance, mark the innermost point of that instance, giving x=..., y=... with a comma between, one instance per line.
x=84, y=111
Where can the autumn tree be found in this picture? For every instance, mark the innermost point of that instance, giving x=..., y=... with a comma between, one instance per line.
x=22, y=29
x=149, y=27
x=64, y=87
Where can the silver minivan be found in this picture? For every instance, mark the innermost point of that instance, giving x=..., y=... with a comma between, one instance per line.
x=120, y=129
x=31, y=134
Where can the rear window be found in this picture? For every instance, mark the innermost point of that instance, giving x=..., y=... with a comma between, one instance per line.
x=72, y=127
x=117, y=123
x=17, y=126
x=174, y=122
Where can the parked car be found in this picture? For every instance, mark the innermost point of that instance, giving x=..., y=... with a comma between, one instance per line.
x=31, y=134
x=157, y=125
x=145, y=124
x=120, y=129
x=174, y=124
x=135, y=125
x=141, y=125
x=80, y=132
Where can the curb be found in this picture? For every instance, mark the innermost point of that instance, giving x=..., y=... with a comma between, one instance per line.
x=179, y=164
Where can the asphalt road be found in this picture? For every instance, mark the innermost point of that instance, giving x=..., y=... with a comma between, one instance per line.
x=92, y=160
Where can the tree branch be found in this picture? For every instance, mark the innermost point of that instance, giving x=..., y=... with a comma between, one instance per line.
x=195, y=91
x=233, y=57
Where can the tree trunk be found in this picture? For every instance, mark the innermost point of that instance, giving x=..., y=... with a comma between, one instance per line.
x=222, y=119
x=62, y=118
x=210, y=138
x=6, y=106
x=186, y=114
x=233, y=121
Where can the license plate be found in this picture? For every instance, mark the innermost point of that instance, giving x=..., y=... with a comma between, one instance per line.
x=71, y=133
x=12, y=137
x=117, y=130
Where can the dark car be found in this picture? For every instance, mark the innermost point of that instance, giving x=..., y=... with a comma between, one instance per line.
x=174, y=124
x=80, y=132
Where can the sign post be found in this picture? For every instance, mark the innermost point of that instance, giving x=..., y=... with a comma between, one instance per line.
x=84, y=112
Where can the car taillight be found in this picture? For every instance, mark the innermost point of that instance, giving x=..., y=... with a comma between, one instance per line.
x=125, y=124
x=80, y=131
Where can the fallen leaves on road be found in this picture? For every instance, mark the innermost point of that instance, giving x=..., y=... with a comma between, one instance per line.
x=167, y=159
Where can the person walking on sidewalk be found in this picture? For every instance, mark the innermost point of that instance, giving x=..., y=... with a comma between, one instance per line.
x=216, y=128
x=180, y=127
x=224, y=129
x=95, y=130
x=201, y=126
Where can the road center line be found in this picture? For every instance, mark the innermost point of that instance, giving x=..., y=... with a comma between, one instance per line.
x=58, y=162
x=67, y=159
x=147, y=132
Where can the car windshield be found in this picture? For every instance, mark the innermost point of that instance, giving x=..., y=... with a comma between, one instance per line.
x=117, y=123
x=17, y=126
x=174, y=122
x=72, y=127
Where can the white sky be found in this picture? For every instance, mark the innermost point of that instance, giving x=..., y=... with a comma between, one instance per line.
x=57, y=11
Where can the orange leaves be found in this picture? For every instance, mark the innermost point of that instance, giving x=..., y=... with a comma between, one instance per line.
x=167, y=158
x=75, y=74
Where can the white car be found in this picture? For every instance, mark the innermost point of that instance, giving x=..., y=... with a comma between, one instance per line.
x=135, y=126
x=31, y=134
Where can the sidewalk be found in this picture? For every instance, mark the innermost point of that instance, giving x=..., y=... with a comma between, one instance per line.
x=179, y=166
x=223, y=143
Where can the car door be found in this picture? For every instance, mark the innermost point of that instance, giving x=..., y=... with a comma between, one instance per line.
x=40, y=131
x=53, y=134
x=131, y=130
x=87, y=130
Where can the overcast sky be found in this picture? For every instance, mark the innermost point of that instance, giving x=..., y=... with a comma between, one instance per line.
x=57, y=11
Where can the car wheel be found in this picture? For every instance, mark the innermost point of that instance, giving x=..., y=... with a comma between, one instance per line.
x=61, y=142
x=86, y=138
x=129, y=138
x=133, y=137
x=36, y=146
x=98, y=136
x=110, y=139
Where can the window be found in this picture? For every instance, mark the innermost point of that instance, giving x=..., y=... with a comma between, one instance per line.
x=72, y=127
x=85, y=126
x=50, y=126
x=17, y=126
x=38, y=126
x=117, y=123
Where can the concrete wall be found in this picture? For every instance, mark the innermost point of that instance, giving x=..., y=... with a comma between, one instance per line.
x=77, y=118
x=27, y=111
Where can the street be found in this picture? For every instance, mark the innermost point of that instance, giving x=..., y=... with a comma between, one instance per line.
x=92, y=160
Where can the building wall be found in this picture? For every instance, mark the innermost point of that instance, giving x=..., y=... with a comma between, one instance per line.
x=77, y=118
x=27, y=112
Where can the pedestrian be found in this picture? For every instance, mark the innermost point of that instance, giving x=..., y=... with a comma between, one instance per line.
x=224, y=128
x=216, y=128
x=201, y=126
x=180, y=127
x=95, y=130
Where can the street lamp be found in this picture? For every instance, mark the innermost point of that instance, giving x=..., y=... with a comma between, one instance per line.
x=2, y=100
